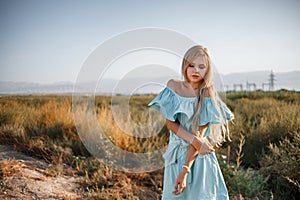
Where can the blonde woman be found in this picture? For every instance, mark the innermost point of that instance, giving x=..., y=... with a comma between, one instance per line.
x=197, y=120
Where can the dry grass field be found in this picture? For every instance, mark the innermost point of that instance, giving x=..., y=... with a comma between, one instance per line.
x=261, y=161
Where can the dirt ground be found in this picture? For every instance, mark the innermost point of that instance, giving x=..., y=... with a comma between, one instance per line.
x=24, y=177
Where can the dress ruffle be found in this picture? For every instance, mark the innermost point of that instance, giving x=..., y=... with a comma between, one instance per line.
x=210, y=114
x=170, y=105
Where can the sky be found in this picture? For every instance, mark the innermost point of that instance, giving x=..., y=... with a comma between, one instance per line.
x=47, y=41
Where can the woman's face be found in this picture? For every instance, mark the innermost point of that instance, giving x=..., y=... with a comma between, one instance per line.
x=196, y=70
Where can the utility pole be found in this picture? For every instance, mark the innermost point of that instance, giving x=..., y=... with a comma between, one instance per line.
x=272, y=81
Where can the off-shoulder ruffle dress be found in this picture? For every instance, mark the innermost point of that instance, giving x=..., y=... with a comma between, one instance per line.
x=205, y=181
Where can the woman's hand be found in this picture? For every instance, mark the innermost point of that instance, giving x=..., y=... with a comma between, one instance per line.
x=181, y=182
x=202, y=146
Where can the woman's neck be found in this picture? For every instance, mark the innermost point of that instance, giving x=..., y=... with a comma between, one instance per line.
x=194, y=86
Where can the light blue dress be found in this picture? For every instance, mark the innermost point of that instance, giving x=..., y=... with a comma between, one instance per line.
x=205, y=181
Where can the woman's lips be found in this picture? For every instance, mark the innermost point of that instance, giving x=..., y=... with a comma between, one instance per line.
x=195, y=76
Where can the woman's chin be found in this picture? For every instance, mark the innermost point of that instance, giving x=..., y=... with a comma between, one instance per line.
x=193, y=80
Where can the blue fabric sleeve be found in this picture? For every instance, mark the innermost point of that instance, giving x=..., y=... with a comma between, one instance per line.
x=210, y=114
x=167, y=103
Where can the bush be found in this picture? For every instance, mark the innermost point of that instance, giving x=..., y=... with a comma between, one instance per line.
x=262, y=121
x=248, y=183
x=282, y=164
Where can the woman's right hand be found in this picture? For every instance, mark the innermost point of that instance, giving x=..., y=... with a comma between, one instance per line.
x=202, y=145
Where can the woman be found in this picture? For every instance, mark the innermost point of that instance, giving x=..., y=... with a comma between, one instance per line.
x=197, y=120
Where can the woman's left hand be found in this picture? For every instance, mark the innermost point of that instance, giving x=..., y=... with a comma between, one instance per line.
x=181, y=182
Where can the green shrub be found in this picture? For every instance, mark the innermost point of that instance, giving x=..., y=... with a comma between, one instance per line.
x=282, y=164
x=262, y=121
x=248, y=183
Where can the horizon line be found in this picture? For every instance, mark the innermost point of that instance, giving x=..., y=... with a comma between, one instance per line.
x=111, y=78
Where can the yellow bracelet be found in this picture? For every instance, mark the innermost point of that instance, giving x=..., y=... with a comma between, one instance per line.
x=187, y=168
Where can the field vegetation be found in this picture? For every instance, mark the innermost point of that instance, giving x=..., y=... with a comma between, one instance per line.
x=261, y=162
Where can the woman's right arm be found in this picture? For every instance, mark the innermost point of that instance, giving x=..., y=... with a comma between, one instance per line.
x=184, y=134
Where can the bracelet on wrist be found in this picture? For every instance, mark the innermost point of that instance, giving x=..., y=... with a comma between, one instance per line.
x=187, y=168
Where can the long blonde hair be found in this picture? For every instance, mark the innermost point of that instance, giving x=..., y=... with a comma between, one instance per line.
x=220, y=132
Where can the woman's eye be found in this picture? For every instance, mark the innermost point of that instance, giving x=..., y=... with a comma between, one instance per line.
x=191, y=65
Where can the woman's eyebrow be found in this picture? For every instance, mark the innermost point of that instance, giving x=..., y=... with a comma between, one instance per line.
x=196, y=64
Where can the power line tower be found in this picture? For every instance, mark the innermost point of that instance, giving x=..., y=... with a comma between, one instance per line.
x=272, y=81
x=250, y=85
x=235, y=86
x=265, y=84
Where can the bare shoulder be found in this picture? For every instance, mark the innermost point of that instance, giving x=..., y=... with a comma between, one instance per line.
x=175, y=84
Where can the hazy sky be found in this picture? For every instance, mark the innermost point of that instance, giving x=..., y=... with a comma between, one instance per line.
x=47, y=41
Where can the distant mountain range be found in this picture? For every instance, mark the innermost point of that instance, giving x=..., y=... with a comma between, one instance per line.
x=140, y=85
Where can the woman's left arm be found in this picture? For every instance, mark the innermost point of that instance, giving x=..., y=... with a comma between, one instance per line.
x=192, y=153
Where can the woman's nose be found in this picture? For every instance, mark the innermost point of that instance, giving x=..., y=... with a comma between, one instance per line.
x=197, y=69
